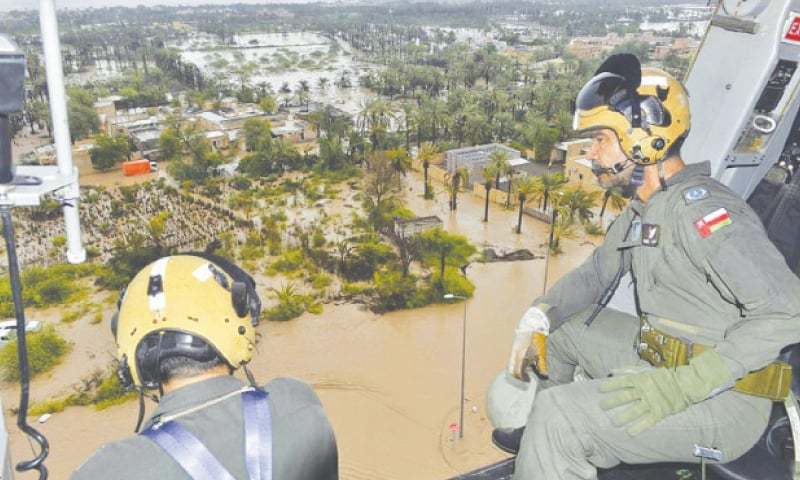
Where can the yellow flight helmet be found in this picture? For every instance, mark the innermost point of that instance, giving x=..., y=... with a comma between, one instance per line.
x=196, y=305
x=647, y=108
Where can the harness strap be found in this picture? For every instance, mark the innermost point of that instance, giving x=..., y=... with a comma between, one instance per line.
x=258, y=434
x=200, y=464
x=189, y=452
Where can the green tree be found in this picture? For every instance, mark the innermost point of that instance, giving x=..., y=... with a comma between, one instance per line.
x=257, y=135
x=83, y=119
x=383, y=180
x=551, y=183
x=524, y=186
x=170, y=143
x=108, y=151
x=440, y=248
x=427, y=152
x=268, y=104
x=489, y=173
x=580, y=202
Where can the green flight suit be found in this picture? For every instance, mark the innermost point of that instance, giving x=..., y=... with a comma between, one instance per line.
x=704, y=271
x=303, y=447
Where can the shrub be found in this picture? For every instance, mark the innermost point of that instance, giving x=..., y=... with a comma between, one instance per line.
x=355, y=289
x=368, y=257
x=320, y=281
x=593, y=229
x=45, y=349
x=111, y=392
x=290, y=304
x=453, y=282
x=100, y=389
x=315, y=309
x=286, y=310
x=393, y=291
x=45, y=286
x=288, y=262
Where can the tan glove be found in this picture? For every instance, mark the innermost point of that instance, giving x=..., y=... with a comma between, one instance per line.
x=529, y=348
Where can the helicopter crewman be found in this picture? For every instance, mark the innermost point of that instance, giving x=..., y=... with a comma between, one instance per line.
x=185, y=323
x=715, y=304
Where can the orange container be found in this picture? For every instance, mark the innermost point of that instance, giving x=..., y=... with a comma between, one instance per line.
x=136, y=167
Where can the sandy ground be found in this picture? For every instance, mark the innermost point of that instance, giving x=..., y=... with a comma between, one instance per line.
x=389, y=383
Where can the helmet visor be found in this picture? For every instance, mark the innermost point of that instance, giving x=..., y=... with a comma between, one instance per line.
x=610, y=90
x=605, y=89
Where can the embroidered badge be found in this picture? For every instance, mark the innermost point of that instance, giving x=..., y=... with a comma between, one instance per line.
x=636, y=231
x=650, y=235
x=695, y=194
x=712, y=222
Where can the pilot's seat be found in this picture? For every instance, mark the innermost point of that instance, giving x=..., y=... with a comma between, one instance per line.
x=772, y=457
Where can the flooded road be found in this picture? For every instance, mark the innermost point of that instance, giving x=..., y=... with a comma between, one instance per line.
x=389, y=383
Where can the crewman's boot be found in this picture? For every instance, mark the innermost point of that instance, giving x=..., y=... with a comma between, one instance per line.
x=508, y=439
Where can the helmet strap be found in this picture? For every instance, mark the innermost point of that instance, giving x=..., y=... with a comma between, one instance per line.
x=662, y=179
x=249, y=375
x=140, y=417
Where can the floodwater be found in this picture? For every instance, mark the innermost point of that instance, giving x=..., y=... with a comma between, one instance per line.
x=389, y=383
x=285, y=58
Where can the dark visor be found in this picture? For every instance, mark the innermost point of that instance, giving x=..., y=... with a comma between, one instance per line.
x=601, y=90
x=610, y=90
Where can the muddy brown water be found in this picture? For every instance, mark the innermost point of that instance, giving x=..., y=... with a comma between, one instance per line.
x=389, y=383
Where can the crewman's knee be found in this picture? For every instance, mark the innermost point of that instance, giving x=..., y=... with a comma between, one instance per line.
x=551, y=446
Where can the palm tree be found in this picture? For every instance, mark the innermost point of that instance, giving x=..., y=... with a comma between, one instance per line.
x=581, y=202
x=524, y=186
x=617, y=200
x=322, y=83
x=453, y=184
x=489, y=172
x=552, y=183
x=498, y=159
x=399, y=159
x=425, y=155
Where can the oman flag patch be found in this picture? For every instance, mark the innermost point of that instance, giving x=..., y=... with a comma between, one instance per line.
x=712, y=222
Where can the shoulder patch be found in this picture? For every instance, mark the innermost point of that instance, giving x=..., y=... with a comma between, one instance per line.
x=695, y=194
x=712, y=222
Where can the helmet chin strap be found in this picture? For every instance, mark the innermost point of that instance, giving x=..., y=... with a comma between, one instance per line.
x=662, y=179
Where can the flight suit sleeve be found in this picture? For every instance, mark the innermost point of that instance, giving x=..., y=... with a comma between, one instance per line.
x=584, y=285
x=725, y=239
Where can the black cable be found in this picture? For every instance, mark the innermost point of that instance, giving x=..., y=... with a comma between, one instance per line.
x=140, y=417
x=608, y=294
x=22, y=352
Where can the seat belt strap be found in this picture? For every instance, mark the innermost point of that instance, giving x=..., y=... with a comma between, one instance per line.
x=258, y=434
x=199, y=463
x=189, y=452
x=794, y=423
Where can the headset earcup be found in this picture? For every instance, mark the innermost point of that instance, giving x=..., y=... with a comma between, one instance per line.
x=124, y=373
x=239, y=297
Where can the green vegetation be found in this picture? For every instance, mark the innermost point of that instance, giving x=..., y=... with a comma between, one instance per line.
x=83, y=119
x=45, y=349
x=108, y=151
x=47, y=286
x=101, y=390
x=291, y=304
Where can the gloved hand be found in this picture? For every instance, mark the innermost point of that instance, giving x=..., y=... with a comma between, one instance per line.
x=658, y=393
x=530, y=345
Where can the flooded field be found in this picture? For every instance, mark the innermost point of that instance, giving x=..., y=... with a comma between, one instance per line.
x=389, y=383
x=272, y=60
